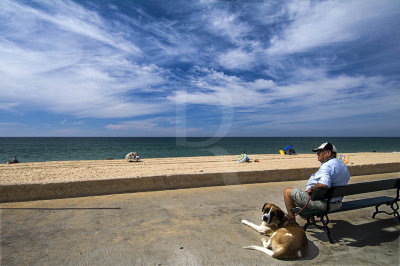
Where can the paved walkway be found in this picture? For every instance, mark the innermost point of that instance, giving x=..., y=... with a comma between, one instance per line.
x=199, y=226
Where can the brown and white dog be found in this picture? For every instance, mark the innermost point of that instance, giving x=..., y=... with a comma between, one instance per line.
x=287, y=239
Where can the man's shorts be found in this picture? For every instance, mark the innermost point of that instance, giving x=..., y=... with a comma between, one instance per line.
x=300, y=199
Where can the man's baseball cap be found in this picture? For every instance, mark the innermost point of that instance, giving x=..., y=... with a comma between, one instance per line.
x=325, y=146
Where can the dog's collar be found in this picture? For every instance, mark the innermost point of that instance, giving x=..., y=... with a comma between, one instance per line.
x=285, y=220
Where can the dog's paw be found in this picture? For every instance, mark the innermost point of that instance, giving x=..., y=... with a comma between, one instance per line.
x=266, y=242
x=250, y=247
x=245, y=222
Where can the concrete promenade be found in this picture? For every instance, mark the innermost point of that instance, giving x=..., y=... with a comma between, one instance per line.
x=194, y=226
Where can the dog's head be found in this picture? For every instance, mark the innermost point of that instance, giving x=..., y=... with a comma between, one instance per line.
x=272, y=214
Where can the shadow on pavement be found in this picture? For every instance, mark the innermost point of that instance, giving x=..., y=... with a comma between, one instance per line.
x=370, y=234
x=312, y=251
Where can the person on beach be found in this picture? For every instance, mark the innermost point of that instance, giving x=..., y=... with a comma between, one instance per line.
x=131, y=157
x=331, y=173
x=14, y=160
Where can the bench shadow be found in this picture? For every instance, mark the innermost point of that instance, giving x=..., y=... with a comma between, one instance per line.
x=370, y=234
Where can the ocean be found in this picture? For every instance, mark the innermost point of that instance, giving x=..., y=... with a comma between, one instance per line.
x=36, y=149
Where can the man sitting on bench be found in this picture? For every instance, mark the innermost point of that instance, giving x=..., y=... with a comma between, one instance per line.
x=331, y=173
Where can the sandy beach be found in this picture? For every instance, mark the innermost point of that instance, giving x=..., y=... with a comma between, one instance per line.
x=73, y=171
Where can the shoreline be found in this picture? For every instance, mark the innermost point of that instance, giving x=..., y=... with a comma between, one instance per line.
x=61, y=179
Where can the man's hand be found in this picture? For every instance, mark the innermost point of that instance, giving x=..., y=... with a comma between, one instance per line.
x=316, y=186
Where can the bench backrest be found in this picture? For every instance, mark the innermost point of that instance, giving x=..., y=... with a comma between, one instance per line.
x=357, y=188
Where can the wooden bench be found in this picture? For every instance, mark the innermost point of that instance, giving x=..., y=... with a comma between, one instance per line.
x=351, y=189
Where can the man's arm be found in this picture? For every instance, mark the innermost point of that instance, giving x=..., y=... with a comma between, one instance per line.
x=316, y=186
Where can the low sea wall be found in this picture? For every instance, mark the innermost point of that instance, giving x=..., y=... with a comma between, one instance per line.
x=56, y=190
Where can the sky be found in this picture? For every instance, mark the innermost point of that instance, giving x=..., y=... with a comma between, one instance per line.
x=203, y=68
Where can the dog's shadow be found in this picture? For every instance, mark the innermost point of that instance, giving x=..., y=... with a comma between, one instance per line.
x=312, y=251
x=370, y=234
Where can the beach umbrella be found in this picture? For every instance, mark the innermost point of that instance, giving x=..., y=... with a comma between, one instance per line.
x=288, y=147
x=242, y=158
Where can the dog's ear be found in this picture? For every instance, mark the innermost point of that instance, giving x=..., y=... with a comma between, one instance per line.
x=263, y=207
x=280, y=215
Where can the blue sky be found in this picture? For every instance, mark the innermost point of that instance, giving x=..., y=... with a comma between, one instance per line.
x=199, y=68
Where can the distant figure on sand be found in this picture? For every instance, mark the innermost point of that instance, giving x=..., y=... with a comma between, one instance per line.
x=14, y=160
x=130, y=157
x=332, y=173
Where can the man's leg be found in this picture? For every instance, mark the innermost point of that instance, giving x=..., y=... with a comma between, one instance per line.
x=288, y=200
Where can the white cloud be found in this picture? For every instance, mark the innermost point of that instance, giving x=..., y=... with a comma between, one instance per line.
x=77, y=123
x=227, y=24
x=9, y=124
x=66, y=16
x=216, y=88
x=236, y=59
x=304, y=99
x=62, y=58
x=8, y=105
x=132, y=125
x=314, y=24
x=147, y=127
x=70, y=61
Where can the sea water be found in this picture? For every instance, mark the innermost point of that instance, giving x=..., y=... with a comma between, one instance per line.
x=37, y=149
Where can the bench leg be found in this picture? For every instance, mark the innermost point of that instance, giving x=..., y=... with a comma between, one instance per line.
x=324, y=227
x=393, y=205
x=308, y=223
x=311, y=221
x=396, y=211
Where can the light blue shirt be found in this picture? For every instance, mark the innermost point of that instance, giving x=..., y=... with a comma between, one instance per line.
x=332, y=173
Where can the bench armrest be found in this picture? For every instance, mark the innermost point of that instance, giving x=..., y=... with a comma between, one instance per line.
x=321, y=193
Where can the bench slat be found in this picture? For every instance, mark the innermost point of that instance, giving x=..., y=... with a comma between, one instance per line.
x=363, y=203
x=359, y=188
x=347, y=206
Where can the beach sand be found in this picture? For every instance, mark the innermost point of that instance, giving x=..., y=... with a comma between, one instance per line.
x=75, y=171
